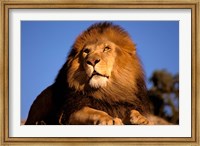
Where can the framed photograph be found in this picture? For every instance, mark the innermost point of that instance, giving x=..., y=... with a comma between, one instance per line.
x=38, y=37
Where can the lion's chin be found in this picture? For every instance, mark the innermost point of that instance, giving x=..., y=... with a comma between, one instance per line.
x=98, y=81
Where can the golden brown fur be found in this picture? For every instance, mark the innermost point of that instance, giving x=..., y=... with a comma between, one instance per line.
x=102, y=82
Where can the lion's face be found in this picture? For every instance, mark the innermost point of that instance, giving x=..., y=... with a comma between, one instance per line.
x=98, y=61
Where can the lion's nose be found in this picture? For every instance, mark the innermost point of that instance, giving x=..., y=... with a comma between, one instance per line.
x=93, y=62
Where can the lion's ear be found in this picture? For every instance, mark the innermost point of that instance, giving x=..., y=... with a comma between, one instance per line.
x=134, y=52
x=131, y=50
x=131, y=53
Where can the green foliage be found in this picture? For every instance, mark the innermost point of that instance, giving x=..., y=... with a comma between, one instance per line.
x=164, y=95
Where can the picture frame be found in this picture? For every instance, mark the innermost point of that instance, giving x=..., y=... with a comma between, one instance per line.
x=111, y=4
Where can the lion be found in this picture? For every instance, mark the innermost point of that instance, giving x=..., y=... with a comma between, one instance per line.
x=101, y=83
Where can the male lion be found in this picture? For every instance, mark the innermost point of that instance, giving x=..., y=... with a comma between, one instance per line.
x=102, y=82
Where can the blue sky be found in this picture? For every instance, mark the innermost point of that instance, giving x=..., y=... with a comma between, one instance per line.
x=45, y=46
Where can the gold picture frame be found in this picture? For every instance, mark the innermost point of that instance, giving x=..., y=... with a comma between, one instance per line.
x=193, y=5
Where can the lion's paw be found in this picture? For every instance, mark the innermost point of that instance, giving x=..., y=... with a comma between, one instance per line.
x=40, y=123
x=117, y=121
x=137, y=119
x=108, y=120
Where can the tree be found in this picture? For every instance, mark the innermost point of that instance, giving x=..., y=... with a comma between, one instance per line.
x=164, y=95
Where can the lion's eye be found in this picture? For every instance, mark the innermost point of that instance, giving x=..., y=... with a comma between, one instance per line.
x=86, y=50
x=107, y=48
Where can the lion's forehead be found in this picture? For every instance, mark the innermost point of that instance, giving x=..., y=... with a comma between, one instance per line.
x=111, y=36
